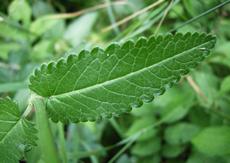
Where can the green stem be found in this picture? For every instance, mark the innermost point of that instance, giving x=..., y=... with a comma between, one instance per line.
x=112, y=17
x=45, y=142
x=201, y=15
x=62, y=142
x=117, y=127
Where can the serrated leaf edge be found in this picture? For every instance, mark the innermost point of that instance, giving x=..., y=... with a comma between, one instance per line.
x=52, y=65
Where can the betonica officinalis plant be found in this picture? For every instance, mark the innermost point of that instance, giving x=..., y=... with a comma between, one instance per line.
x=97, y=84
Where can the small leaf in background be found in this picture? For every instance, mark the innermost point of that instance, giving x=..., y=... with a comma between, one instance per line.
x=223, y=54
x=12, y=33
x=198, y=6
x=20, y=10
x=41, y=8
x=42, y=25
x=224, y=27
x=172, y=151
x=199, y=116
x=225, y=85
x=150, y=159
x=214, y=141
x=18, y=57
x=180, y=133
x=6, y=48
x=140, y=124
x=80, y=28
x=42, y=50
x=175, y=104
x=147, y=148
x=197, y=157
x=208, y=84
x=124, y=159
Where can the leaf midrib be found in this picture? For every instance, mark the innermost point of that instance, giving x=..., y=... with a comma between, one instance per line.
x=85, y=89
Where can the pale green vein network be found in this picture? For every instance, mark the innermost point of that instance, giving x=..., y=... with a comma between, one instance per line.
x=105, y=83
x=123, y=77
x=16, y=134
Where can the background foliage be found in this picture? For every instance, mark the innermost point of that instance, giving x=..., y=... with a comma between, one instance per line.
x=189, y=123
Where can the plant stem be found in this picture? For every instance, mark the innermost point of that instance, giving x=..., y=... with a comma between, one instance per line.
x=84, y=11
x=134, y=15
x=62, y=142
x=123, y=149
x=45, y=142
x=112, y=17
x=200, y=16
x=116, y=127
x=164, y=16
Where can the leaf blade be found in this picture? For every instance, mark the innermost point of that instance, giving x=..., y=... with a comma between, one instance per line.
x=17, y=134
x=99, y=84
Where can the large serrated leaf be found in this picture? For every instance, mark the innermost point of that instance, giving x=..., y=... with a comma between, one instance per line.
x=102, y=83
x=16, y=135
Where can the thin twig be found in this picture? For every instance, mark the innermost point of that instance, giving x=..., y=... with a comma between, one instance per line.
x=28, y=110
x=201, y=15
x=126, y=19
x=112, y=17
x=196, y=88
x=11, y=66
x=115, y=157
x=81, y=12
x=127, y=140
x=163, y=17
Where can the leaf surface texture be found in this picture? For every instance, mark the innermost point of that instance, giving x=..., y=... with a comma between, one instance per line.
x=102, y=83
x=17, y=134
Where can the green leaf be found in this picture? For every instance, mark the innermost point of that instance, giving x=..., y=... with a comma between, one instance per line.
x=213, y=141
x=140, y=124
x=106, y=83
x=42, y=50
x=199, y=116
x=20, y=10
x=209, y=90
x=41, y=8
x=225, y=85
x=80, y=28
x=43, y=25
x=10, y=32
x=196, y=157
x=172, y=151
x=17, y=134
x=175, y=104
x=150, y=159
x=147, y=148
x=180, y=133
x=6, y=47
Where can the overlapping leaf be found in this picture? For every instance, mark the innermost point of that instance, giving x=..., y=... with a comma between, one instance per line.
x=16, y=133
x=103, y=83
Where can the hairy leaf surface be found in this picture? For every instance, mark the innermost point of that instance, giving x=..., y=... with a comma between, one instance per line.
x=16, y=135
x=103, y=83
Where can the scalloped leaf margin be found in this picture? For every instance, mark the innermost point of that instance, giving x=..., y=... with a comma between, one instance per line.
x=17, y=134
x=75, y=87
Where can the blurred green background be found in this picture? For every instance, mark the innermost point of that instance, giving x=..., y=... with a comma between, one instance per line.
x=189, y=123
